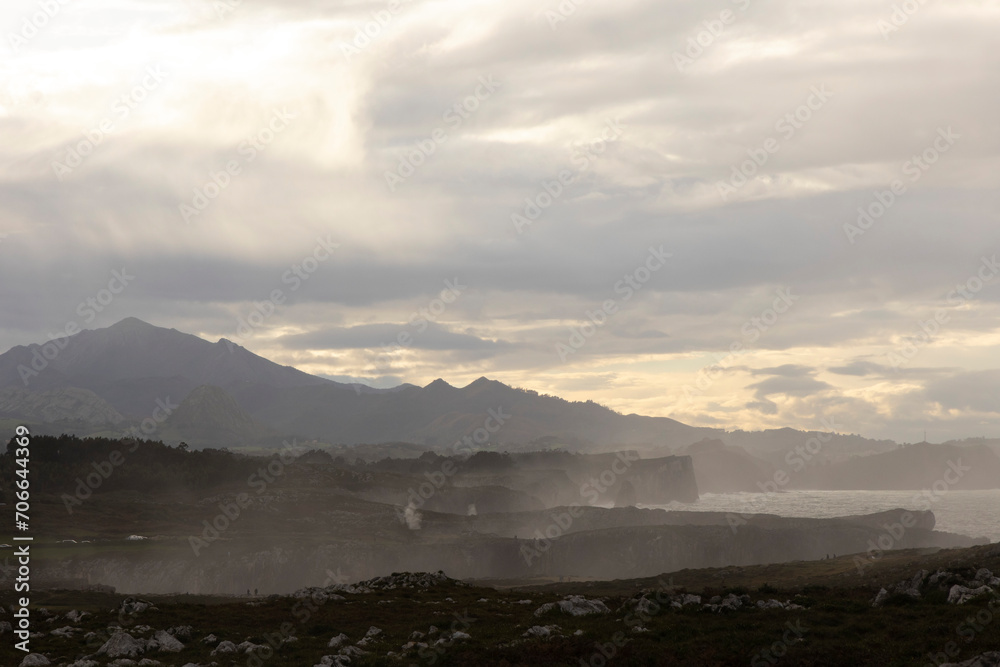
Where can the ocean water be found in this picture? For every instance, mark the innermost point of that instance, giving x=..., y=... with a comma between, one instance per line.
x=972, y=513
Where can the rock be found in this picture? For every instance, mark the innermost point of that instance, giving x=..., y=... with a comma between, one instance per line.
x=639, y=628
x=769, y=604
x=149, y=662
x=716, y=599
x=66, y=631
x=210, y=639
x=416, y=635
x=84, y=663
x=880, y=598
x=246, y=647
x=5, y=627
x=35, y=660
x=181, y=631
x=224, y=648
x=939, y=577
x=991, y=659
x=458, y=634
x=166, y=642
x=76, y=616
x=730, y=603
x=690, y=599
x=122, y=644
x=575, y=605
x=370, y=636
x=338, y=641
x=962, y=594
x=542, y=631
x=133, y=606
x=333, y=661
x=122, y=662
x=391, y=582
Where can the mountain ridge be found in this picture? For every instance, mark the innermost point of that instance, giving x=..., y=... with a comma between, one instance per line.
x=132, y=365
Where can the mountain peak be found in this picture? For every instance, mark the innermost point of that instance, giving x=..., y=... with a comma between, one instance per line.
x=439, y=384
x=131, y=323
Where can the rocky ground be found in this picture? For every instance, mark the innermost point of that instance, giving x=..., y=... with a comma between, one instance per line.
x=908, y=608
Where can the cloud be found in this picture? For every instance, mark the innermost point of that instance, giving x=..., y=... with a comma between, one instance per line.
x=683, y=133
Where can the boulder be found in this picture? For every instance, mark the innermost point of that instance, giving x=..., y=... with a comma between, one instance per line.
x=122, y=645
x=991, y=659
x=962, y=594
x=35, y=660
x=166, y=642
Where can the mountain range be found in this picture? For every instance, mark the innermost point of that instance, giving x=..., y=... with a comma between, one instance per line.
x=105, y=381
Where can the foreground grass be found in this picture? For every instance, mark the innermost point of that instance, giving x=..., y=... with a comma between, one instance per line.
x=838, y=626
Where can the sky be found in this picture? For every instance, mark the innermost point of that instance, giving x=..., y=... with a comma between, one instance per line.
x=743, y=214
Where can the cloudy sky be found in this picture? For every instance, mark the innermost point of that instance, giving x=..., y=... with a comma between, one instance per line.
x=398, y=191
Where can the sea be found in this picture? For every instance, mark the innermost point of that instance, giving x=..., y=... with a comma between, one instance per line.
x=971, y=513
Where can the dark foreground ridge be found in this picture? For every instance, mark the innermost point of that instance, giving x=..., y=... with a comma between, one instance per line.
x=915, y=607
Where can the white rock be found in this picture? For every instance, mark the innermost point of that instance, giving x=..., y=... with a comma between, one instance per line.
x=962, y=594
x=224, y=648
x=167, y=642
x=543, y=631
x=122, y=644
x=35, y=660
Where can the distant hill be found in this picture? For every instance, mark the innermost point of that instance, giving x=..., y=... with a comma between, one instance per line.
x=211, y=417
x=919, y=466
x=721, y=468
x=57, y=405
x=128, y=369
